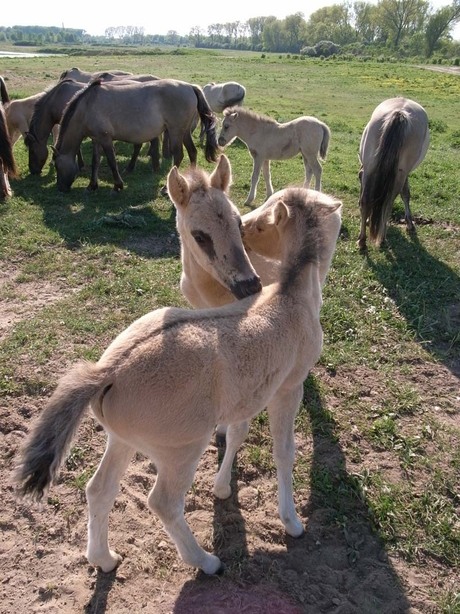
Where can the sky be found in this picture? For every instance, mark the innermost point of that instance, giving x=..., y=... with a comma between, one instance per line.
x=95, y=17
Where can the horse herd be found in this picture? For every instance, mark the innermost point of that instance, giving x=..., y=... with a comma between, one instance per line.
x=101, y=106
x=255, y=282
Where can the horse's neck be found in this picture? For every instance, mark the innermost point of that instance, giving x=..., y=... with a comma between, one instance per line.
x=199, y=287
x=304, y=285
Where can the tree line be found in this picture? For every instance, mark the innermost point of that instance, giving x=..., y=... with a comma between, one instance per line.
x=403, y=27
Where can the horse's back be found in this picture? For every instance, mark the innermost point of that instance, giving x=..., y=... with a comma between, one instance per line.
x=415, y=143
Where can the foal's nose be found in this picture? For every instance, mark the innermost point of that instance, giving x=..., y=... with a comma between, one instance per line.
x=246, y=287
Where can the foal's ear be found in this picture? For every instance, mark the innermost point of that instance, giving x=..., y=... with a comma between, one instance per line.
x=178, y=189
x=280, y=213
x=221, y=177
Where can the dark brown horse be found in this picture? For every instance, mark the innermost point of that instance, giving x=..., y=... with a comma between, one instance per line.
x=8, y=169
x=135, y=113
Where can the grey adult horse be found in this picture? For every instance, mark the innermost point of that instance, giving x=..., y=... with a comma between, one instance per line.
x=135, y=113
x=393, y=144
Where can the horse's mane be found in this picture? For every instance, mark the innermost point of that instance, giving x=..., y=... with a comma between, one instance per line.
x=42, y=103
x=72, y=105
x=245, y=112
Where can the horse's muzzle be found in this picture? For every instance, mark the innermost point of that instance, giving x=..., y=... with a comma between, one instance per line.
x=247, y=287
x=222, y=142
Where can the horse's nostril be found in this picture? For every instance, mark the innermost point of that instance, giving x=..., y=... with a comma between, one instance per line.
x=247, y=287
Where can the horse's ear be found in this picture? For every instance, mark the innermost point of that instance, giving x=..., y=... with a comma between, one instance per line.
x=221, y=177
x=178, y=189
x=280, y=213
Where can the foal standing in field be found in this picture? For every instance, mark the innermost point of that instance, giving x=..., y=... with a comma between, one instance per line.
x=268, y=140
x=169, y=378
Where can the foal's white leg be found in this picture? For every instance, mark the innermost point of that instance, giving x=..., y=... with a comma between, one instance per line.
x=315, y=167
x=267, y=177
x=236, y=434
x=282, y=412
x=100, y=493
x=167, y=499
x=308, y=172
x=257, y=165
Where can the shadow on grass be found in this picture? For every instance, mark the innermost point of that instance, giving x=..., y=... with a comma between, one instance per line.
x=426, y=292
x=127, y=218
x=339, y=564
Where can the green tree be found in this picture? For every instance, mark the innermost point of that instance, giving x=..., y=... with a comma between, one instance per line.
x=439, y=24
x=398, y=18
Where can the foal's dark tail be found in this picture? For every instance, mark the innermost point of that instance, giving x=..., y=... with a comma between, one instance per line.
x=6, y=149
x=3, y=91
x=209, y=122
x=46, y=447
x=379, y=189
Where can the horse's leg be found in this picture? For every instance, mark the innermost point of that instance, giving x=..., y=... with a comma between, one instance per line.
x=267, y=177
x=177, y=150
x=308, y=172
x=190, y=147
x=154, y=153
x=361, y=242
x=80, y=160
x=281, y=413
x=95, y=163
x=405, y=195
x=167, y=499
x=317, y=171
x=257, y=165
x=166, y=148
x=111, y=159
x=100, y=493
x=134, y=157
x=235, y=436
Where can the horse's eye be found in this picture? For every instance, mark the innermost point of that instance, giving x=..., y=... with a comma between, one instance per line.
x=199, y=237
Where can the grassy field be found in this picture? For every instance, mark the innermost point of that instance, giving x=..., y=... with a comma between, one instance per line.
x=384, y=400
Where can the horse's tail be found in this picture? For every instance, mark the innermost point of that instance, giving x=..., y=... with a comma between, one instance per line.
x=209, y=122
x=325, y=142
x=49, y=441
x=3, y=91
x=6, y=149
x=378, y=192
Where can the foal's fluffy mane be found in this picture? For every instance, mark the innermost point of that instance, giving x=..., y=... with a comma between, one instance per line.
x=248, y=113
x=198, y=179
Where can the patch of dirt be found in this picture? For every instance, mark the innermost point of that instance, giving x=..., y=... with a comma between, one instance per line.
x=340, y=568
x=21, y=300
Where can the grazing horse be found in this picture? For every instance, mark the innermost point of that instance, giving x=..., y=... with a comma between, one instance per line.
x=163, y=384
x=223, y=95
x=268, y=140
x=8, y=169
x=104, y=112
x=393, y=144
x=45, y=118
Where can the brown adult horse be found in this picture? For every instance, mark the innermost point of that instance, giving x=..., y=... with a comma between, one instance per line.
x=135, y=113
x=393, y=143
x=8, y=167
